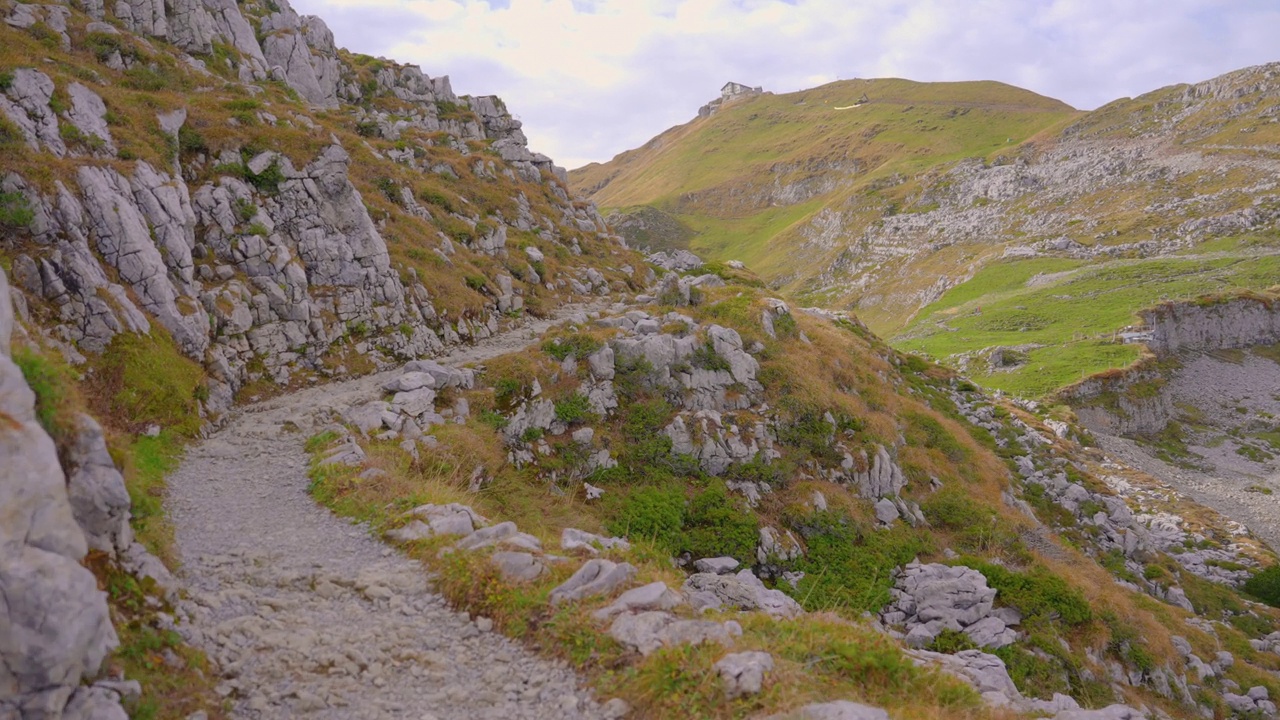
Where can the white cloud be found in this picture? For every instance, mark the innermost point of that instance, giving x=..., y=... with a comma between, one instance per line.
x=591, y=78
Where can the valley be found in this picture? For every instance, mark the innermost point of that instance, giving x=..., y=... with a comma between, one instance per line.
x=322, y=395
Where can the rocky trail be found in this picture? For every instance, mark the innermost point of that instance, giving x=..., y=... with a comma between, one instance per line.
x=306, y=615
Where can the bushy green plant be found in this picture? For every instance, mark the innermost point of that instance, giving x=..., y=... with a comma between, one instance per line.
x=508, y=390
x=190, y=140
x=849, y=566
x=1265, y=586
x=951, y=641
x=705, y=357
x=1037, y=593
x=267, y=181
x=650, y=513
x=574, y=409
x=15, y=211
x=578, y=345
x=714, y=527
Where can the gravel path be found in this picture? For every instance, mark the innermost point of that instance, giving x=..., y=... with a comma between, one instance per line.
x=306, y=615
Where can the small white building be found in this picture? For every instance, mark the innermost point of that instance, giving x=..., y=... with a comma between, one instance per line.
x=732, y=89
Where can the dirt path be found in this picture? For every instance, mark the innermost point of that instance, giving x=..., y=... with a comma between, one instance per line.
x=306, y=615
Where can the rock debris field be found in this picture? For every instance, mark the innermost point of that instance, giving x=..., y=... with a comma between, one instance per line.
x=306, y=615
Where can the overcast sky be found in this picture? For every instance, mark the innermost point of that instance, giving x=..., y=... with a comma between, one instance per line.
x=591, y=78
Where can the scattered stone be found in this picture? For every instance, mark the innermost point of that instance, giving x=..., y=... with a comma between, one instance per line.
x=518, y=567
x=595, y=577
x=574, y=539
x=743, y=591
x=646, y=632
x=716, y=566
x=654, y=596
x=743, y=673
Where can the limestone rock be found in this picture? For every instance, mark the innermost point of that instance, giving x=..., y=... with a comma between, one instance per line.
x=743, y=591
x=97, y=492
x=55, y=629
x=654, y=596
x=595, y=577
x=743, y=673
x=88, y=114
x=837, y=710
x=931, y=598
x=716, y=566
x=574, y=539
x=518, y=567
x=646, y=632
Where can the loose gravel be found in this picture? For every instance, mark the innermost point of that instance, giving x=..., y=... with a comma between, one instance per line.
x=306, y=615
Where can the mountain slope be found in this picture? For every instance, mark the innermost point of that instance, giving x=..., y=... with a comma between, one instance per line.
x=202, y=203
x=887, y=214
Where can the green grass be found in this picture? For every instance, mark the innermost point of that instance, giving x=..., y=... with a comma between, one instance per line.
x=143, y=379
x=1074, y=316
x=150, y=460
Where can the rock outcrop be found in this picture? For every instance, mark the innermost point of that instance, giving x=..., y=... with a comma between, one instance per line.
x=928, y=599
x=55, y=630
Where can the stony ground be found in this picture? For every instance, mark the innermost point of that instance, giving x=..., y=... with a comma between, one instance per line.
x=1223, y=395
x=306, y=615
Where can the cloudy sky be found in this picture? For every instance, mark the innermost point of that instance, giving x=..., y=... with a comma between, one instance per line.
x=591, y=78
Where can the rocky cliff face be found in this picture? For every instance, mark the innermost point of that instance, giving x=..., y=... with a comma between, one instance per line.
x=1216, y=324
x=55, y=630
x=256, y=263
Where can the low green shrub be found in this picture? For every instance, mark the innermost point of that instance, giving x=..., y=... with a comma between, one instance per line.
x=715, y=527
x=579, y=346
x=1039, y=594
x=705, y=357
x=1265, y=586
x=848, y=566
x=650, y=513
x=951, y=641
x=15, y=211
x=574, y=409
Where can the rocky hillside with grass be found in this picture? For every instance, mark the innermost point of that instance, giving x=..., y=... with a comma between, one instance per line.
x=712, y=502
x=972, y=221
x=204, y=204
x=321, y=396
x=1200, y=408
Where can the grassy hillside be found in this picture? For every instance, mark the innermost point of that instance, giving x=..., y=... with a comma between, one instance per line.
x=828, y=388
x=1056, y=321
x=932, y=192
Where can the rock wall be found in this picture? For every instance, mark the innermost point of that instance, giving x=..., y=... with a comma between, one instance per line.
x=55, y=629
x=1126, y=402
x=258, y=281
x=1238, y=322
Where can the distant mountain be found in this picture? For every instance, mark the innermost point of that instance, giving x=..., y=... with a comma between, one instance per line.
x=937, y=210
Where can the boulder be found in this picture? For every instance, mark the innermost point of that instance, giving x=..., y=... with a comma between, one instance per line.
x=55, y=629
x=646, y=632
x=743, y=673
x=838, y=710
x=595, y=577
x=518, y=567
x=743, y=591
x=574, y=539
x=716, y=565
x=97, y=492
x=654, y=596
